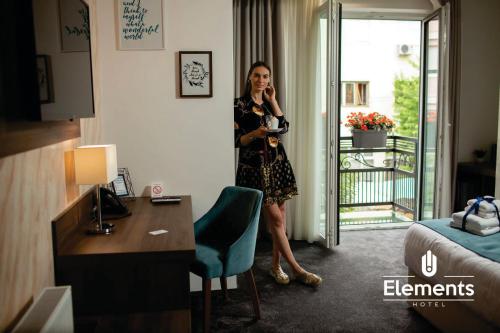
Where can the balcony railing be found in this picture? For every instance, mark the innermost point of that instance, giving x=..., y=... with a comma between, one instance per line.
x=378, y=177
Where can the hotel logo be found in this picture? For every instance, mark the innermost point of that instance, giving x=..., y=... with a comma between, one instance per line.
x=405, y=288
x=429, y=264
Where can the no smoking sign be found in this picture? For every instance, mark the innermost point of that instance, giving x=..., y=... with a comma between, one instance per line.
x=156, y=190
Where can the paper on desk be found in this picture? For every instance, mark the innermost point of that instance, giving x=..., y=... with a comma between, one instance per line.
x=158, y=232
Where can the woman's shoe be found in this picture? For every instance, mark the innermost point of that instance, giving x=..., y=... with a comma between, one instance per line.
x=309, y=279
x=279, y=276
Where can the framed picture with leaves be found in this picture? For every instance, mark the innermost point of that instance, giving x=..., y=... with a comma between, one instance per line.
x=74, y=26
x=195, y=73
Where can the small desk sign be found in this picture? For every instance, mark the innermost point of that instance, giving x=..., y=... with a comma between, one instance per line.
x=156, y=190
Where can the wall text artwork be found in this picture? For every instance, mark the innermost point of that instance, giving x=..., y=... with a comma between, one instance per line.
x=140, y=24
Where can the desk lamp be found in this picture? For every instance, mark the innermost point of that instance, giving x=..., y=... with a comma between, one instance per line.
x=96, y=165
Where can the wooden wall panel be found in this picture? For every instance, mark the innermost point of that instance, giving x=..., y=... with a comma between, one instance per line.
x=33, y=191
x=24, y=136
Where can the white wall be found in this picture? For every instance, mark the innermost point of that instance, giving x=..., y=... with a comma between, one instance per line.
x=480, y=76
x=186, y=143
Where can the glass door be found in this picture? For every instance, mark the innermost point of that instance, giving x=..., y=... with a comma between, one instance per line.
x=323, y=172
x=329, y=21
x=431, y=83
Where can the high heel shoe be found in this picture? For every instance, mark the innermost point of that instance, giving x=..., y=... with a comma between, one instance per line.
x=309, y=279
x=279, y=276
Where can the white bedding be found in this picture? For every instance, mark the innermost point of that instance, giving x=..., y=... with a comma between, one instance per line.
x=453, y=259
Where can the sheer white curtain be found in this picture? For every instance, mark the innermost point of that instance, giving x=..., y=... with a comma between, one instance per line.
x=302, y=51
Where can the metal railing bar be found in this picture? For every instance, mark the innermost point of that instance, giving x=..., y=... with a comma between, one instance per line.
x=364, y=204
x=389, y=137
x=365, y=150
x=404, y=208
x=380, y=186
x=404, y=172
x=367, y=170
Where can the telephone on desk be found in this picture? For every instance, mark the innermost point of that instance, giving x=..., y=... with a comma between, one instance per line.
x=111, y=205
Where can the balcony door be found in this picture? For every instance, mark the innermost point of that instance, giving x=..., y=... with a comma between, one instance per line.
x=432, y=110
x=329, y=21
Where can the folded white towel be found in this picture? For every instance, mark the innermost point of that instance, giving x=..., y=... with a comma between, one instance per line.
x=476, y=221
x=484, y=232
x=485, y=205
x=483, y=213
x=475, y=224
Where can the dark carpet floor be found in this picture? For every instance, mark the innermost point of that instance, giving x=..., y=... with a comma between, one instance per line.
x=349, y=300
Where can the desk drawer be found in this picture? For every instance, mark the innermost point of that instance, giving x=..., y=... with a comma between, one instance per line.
x=125, y=287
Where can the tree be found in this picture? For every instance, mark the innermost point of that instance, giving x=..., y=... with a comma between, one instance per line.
x=406, y=93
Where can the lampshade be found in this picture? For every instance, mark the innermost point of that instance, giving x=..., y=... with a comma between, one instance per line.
x=95, y=164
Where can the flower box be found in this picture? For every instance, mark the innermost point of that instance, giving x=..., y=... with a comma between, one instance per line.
x=369, y=130
x=369, y=139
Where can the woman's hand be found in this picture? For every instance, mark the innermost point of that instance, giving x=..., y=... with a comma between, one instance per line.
x=260, y=132
x=270, y=93
x=249, y=137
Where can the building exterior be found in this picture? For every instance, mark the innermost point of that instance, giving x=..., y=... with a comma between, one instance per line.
x=374, y=53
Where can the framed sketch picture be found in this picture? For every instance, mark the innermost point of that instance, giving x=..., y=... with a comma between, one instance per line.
x=140, y=24
x=74, y=26
x=44, y=73
x=195, y=73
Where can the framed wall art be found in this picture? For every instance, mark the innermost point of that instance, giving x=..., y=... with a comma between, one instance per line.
x=44, y=73
x=195, y=73
x=140, y=24
x=74, y=26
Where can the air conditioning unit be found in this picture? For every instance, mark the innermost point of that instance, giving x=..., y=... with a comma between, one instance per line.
x=405, y=49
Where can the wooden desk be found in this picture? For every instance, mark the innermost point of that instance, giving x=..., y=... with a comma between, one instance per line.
x=129, y=271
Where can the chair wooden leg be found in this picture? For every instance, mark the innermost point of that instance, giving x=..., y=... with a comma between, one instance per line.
x=253, y=290
x=207, y=287
x=223, y=285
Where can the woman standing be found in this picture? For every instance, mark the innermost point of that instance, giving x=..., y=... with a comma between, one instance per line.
x=263, y=164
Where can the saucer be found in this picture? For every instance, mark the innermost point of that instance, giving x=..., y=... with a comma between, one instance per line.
x=274, y=130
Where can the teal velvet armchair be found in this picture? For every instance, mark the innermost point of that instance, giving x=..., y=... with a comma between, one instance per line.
x=225, y=242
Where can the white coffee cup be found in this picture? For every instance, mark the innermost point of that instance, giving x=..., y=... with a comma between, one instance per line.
x=274, y=123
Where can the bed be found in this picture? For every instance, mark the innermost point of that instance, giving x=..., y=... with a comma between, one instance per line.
x=480, y=315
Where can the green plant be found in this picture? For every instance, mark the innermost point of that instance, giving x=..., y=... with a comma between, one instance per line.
x=406, y=95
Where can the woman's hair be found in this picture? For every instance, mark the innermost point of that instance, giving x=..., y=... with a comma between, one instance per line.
x=248, y=85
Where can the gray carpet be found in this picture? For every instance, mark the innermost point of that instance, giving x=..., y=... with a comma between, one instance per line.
x=349, y=300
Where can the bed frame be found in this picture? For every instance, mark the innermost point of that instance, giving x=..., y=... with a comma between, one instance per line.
x=455, y=317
